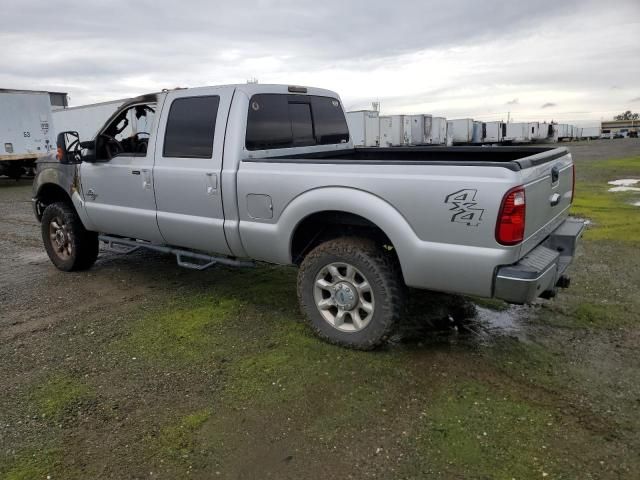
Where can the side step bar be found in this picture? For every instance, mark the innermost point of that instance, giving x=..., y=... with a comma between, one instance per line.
x=185, y=258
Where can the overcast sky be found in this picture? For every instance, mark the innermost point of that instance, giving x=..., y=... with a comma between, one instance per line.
x=566, y=60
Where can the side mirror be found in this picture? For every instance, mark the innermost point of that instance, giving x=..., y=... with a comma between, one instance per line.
x=69, y=149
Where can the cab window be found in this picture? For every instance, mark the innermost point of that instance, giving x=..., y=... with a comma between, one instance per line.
x=128, y=133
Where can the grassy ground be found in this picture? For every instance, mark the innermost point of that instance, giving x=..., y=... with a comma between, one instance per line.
x=222, y=380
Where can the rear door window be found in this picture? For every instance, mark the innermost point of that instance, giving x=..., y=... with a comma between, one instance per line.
x=282, y=121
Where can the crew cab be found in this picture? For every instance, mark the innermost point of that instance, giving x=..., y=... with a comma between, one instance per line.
x=242, y=173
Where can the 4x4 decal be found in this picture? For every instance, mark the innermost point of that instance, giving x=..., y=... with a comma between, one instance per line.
x=464, y=207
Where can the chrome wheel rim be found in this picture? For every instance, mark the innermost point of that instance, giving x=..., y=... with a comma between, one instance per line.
x=59, y=238
x=344, y=297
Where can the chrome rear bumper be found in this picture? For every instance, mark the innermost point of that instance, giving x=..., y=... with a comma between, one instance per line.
x=538, y=272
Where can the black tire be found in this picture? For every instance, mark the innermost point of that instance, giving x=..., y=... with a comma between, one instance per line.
x=379, y=268
x=71, y=247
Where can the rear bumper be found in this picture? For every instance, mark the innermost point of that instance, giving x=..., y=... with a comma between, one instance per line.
x=539, y=271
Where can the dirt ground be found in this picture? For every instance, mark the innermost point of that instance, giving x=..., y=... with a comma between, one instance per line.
x=140, y=369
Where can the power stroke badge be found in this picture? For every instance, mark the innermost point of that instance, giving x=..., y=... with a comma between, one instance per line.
x=464, y=207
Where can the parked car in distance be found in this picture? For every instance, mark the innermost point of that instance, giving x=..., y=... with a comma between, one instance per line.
x=241, y=173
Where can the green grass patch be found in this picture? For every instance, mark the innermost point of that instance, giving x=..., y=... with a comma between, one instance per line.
x=190, y=331
x=629, y=165
x=603, y=315
x=60, y=395
x=614, y=218
x=179, y=441
x=473, y=430
x=210, y=327
x=32, y=465
x=293, y=361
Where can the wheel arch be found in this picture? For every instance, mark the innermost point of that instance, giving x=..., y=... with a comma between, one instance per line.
x=357, y=209
x=47, y=194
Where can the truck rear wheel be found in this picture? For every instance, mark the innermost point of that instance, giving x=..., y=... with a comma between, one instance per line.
x=69, y=245
x=351, y=292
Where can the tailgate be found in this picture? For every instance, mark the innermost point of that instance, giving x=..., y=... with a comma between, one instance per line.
x=548, y=181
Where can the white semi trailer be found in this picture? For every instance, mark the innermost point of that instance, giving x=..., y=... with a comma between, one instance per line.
x=517, y=132
x=545, y=133
x=590, y=133
x=26, y=130
x=438, y=133
x=364, y=128
x=416, y=129
x=386, y=131
x=493, y=132
x=565, y=132
x=85, y=119
x=460, y=130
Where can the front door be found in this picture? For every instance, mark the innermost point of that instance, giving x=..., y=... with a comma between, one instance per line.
x=118, y=187
x=188, y=167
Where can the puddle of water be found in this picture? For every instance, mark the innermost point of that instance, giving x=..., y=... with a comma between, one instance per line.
x=489, y=324
x=624, y=189
x=472, y=325
x=624, y=182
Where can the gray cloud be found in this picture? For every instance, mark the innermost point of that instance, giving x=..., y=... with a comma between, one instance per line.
x=119, y=48
x=515, y=101
x=549, y=105
x=637, y=99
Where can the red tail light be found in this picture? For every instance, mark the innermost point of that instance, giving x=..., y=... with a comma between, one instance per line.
x=511, y=219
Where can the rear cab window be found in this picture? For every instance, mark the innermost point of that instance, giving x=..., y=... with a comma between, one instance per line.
x=285, y=121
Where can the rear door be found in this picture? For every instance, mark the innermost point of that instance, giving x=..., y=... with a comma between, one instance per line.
x=187, y=169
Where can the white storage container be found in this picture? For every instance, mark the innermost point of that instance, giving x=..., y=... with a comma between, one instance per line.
x=493, y=132
x=364, y=128
x=386, y=131
x=414, y=129
x=460, y=130
x=397, y=131
x=590, y=132
x=519, y=132
x=26, y=126
x=546, y=132
x=564, y=131
x=438, y=131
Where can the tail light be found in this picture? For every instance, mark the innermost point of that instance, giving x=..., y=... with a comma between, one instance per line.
x=511, y=218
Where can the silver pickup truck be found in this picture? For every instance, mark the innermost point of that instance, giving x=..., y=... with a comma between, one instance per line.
x=241, y=173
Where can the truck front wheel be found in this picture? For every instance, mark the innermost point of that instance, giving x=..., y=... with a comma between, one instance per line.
x=69, y=245
x=351, y=292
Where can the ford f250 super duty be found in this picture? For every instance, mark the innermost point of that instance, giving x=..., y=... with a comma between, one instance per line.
x=234, y=174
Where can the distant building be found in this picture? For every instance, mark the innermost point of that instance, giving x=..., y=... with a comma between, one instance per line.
x=623, y=127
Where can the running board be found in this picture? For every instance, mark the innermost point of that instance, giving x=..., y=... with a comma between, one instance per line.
x=185, y=258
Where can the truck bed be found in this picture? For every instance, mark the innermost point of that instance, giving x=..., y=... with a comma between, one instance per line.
x=513, y=158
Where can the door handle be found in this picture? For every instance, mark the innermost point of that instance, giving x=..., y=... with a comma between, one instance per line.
x=554, y=200
x=212, y=183
x=135, y=172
